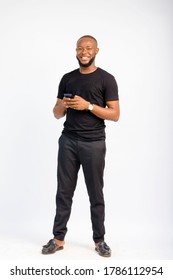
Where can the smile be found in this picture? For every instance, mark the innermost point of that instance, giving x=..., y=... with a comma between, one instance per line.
x=84, y=58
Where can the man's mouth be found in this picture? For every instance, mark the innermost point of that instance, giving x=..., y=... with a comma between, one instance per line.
x=85, y=61
x=84, y=58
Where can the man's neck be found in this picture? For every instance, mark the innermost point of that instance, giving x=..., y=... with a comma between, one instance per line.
x=87, y=70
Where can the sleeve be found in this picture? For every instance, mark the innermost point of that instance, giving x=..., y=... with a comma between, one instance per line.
x=61, y=88
x=111, y=88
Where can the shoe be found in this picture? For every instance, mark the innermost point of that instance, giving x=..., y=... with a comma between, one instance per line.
x=103, y=249
x=51, y=247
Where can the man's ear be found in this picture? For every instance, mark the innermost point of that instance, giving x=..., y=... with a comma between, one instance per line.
x=97, y=50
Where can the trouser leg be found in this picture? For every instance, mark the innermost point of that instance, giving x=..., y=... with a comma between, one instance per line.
x=68, y=167
x=92, y=157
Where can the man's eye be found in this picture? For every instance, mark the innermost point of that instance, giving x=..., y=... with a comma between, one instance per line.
x=82, y=49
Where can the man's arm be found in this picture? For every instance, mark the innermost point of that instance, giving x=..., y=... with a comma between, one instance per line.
x=111, y=112
x=59, y=109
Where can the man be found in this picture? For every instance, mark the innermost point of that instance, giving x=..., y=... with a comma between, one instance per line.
x=87, y=96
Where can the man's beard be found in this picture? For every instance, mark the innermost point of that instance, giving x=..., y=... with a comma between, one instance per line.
x=86, y=64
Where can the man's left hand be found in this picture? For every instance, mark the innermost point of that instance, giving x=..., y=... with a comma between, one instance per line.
x=76, y=103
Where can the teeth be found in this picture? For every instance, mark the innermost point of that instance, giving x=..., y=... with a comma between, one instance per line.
x=84, y=58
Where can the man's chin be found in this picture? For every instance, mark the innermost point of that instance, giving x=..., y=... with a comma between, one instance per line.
x=86, y=64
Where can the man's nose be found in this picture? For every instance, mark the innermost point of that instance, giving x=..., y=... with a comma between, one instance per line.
x=84, y=50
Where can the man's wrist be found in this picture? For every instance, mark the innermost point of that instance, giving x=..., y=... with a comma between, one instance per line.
x=90, y=107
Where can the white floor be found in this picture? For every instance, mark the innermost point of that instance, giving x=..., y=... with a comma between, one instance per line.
x=128, y=242
x=132, y=246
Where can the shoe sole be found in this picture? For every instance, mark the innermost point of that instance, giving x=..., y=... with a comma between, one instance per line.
x=106, y=256
x=54, y=251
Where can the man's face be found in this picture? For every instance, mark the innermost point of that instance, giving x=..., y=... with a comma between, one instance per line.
x=86, y=51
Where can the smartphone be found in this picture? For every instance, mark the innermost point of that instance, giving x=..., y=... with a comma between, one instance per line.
x=69, y=95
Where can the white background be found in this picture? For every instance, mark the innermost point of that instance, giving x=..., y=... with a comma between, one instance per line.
x=38, y=40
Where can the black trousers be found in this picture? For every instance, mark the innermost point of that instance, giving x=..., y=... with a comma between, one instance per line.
x=91, y=156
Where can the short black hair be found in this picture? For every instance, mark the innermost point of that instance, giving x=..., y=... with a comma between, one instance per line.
x=88, y=36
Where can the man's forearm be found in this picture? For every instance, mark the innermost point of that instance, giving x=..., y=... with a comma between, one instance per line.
x=106, y=113
x=59, y=110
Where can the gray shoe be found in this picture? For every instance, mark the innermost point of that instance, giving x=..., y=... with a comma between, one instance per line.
x=51, y=247
x=103, y=249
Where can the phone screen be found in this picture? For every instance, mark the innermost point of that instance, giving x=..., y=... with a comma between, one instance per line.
x=70, y=95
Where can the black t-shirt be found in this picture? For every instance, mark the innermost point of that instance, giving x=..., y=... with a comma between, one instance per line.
x=97, y=87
